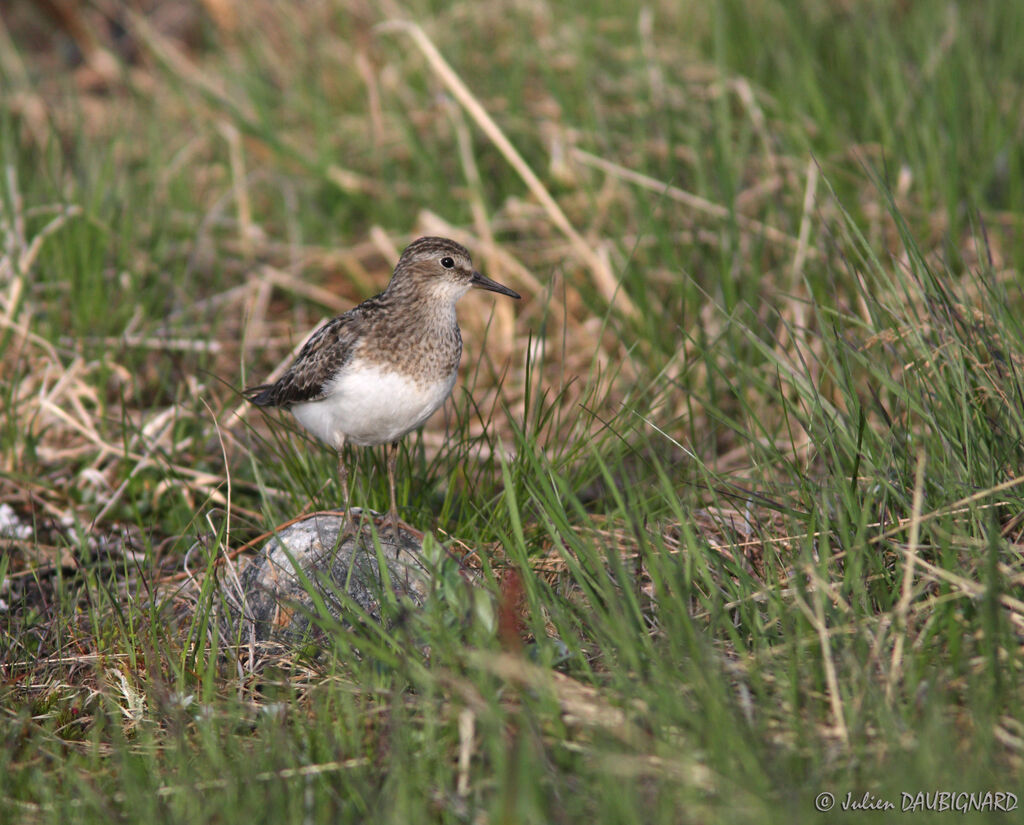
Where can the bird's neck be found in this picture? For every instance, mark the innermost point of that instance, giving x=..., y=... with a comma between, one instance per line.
x=431, y=301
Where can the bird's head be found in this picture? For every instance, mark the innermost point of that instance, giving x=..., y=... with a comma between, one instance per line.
x=442, y=267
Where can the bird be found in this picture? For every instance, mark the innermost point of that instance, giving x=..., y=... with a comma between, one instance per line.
x=378, y=371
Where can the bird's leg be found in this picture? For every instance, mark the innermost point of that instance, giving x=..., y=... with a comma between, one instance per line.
x=391, y=452
x=346, y=521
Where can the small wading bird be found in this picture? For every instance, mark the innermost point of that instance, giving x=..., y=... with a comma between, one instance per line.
x=380, y=370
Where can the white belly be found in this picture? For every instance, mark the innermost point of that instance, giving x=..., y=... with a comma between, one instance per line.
x=368, y=407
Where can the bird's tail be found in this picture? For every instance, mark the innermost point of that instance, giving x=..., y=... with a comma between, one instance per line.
x=260, y=396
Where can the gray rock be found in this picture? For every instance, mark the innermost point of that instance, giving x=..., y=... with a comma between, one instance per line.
x=304, y=571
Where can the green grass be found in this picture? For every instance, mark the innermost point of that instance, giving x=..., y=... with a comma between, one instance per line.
x=759, y=535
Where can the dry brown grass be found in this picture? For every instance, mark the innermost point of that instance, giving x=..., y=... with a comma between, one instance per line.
x=73, y=411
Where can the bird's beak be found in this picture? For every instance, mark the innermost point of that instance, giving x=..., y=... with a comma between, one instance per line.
x=483, y=282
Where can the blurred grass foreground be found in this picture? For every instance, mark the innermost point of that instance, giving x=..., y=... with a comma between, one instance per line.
x=739, y=481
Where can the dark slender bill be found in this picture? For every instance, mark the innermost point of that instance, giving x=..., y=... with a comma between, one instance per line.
x=483, y=282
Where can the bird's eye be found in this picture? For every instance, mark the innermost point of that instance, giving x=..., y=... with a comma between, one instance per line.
x=448, y=263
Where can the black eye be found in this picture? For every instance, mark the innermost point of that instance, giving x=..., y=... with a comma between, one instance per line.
x=448, y=263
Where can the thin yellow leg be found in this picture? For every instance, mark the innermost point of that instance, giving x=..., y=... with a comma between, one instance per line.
x=343, y=476
x=391, y=451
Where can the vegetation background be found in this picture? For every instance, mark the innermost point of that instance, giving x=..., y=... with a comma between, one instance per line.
x=742, y=474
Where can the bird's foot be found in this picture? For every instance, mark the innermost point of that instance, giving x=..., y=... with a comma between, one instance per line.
x=396, y=530
x=349, y=523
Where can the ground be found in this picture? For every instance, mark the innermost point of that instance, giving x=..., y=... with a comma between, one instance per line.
x=740, y=476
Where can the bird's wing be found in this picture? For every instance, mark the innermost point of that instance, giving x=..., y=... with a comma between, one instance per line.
x=327, y=351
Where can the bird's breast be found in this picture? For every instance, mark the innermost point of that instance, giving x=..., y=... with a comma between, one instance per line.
x=371, y=404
